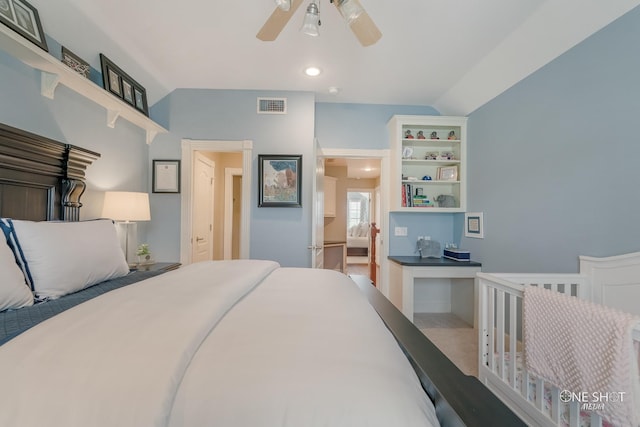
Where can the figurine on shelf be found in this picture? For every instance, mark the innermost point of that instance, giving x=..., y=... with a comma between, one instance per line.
x=421, y=135
x=452, y=135
x=408, y=135
x=431, y=156
x=434, y=135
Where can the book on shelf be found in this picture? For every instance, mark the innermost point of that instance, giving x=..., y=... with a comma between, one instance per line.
x=414, y=198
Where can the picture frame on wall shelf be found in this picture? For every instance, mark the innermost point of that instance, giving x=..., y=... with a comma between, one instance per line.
x=23, y=18
x=448, y=173
x=74, y=62
x=123, y=86
x=166, y=176
x=279, y=181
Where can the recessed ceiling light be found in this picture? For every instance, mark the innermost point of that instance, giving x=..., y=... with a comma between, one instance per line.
x=312, y=71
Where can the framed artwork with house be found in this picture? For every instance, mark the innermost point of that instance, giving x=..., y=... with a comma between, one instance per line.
x=279, y=181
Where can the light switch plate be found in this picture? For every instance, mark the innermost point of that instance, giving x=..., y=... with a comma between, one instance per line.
x=400, y=231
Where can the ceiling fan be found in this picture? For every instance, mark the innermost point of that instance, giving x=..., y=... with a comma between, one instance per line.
x=351, y=10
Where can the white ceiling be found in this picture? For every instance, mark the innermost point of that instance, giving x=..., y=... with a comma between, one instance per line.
x=356, y=168
x=452, y=55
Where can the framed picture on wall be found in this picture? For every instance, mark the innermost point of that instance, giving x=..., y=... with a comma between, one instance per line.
x=474, y=225
x=166, y=176
x=279, y=181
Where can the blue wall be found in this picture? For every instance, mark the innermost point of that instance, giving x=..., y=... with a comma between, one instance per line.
x=280, y=234
x=359, y=126
x=71, y=118
x=553, y=162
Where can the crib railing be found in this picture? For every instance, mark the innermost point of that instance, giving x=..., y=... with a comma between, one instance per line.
x=500, y=344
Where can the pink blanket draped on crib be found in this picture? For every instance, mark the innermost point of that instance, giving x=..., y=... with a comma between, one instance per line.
x=585, y=348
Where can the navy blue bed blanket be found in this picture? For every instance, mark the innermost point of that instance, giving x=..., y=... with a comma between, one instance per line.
x=14, y=322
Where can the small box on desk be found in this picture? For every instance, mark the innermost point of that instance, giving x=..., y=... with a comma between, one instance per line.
x=457, y=254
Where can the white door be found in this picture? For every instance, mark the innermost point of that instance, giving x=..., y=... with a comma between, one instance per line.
x=202, y=214
x=317, y=235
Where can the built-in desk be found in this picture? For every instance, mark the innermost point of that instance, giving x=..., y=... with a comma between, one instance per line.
x=457, y=275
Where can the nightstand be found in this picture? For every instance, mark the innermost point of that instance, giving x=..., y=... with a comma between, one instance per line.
x=158, y=266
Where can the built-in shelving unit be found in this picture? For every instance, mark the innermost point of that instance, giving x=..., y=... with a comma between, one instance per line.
x=428, y=163
x=54, y=72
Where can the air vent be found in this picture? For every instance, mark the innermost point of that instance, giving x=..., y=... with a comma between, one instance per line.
x=272, y=105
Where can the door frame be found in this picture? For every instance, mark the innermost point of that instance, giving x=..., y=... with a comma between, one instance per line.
x=229, y=173
x=385, y=163
x=189, y=146
x=317, y=209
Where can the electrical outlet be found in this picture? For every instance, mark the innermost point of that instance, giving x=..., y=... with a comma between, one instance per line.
x=400, y=231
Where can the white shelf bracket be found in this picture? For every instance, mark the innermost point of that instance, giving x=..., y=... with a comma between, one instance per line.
x=112, y=116
x=150, y=135
x=48, y=84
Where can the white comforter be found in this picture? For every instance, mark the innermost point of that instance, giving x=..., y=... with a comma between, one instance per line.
x=227, y=343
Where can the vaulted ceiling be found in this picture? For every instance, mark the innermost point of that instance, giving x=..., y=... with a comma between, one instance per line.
x=452, y=55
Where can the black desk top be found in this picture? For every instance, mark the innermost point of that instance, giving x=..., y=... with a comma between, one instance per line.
x=416, y=261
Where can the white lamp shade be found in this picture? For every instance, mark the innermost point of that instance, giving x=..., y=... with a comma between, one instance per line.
x=126, y=206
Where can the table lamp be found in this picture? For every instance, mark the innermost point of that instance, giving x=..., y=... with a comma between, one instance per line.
x=126, y=208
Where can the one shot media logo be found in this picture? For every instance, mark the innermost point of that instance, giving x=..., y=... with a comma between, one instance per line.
x=594, y=401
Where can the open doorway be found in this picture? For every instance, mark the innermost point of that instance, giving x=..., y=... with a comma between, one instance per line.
x=224, y=206
x=358, y=227
x=227, y=214
x=356, y=181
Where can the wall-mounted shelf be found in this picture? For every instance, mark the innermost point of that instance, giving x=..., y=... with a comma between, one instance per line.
x=54, y=72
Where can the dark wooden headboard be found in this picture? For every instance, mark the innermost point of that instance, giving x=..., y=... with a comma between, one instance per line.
x=41, y=179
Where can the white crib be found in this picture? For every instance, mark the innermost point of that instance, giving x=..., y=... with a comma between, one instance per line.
x=613, y=281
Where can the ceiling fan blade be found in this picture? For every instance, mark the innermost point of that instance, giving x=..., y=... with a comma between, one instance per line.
x=365, y=29
x=359, y=21
x=276, y=22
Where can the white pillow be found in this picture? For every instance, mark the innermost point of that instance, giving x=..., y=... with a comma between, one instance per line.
x=363, y=229
x=14, y=292
x=65, y=257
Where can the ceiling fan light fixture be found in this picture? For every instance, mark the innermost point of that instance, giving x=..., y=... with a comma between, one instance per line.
x=311, y=23
x=285, y=5
x=350, y=10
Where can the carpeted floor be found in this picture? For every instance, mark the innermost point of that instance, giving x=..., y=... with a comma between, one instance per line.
x=460, y=345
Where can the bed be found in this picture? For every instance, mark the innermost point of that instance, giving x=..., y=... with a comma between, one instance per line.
x=608, y=283
x=244, y=342
x=358, y=237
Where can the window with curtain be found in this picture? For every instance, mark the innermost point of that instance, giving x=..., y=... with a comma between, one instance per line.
x=357, y=208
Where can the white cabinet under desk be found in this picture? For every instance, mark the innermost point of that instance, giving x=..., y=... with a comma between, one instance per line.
x=452, y=281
